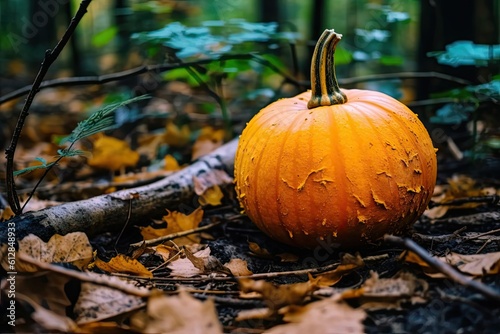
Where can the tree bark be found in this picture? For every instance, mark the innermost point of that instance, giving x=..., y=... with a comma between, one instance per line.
x=111, y=211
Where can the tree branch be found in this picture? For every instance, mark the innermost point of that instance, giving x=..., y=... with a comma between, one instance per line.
x=50, y=57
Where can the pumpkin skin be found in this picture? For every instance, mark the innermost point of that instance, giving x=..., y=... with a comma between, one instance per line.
x=343, y=174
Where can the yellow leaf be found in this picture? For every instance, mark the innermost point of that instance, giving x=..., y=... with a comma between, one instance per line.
x=176, y=136
x=348, y=264
x=211, y=196
x=176, y=222
x=171, y=163
x=208, y=140
x=112, y=154
x=123, y=264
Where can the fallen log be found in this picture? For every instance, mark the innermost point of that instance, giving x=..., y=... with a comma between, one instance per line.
x=111, y=211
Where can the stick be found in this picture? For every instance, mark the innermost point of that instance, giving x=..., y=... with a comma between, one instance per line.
x=50, y=57
x=110, y=211
x=444, y=267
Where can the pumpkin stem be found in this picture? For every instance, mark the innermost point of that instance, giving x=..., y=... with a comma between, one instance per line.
x=325, y=89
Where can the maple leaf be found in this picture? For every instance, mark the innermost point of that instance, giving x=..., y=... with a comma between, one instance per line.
x=123, y=264
x=177, y=222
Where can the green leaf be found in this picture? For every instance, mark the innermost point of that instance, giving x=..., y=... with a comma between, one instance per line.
x=101, y=120
x=452, y=113
x=342, y=56
x=391, y=60
x=104, y=37
x=33, y=168
x=461, y=53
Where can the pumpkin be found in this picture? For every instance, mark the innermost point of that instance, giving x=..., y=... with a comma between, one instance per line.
x=336, y=166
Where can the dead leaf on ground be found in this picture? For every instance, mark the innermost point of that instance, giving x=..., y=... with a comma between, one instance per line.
x=238, y=267
x=177, y=315
x=389, y=293
x=256, y=250
x=348, y=263
x=97, y=302
x=171, y=163
x=459, y=186
x=208, y=140
x=177, y=222
x=475, y=265
x=47, y=319
x=210, y=179
x=73, y=248
x=123, y=264
x=112, y=154
x=212, y=196
x=197, y=263
x=276, y=296
x=176, y=136
x=325, y=316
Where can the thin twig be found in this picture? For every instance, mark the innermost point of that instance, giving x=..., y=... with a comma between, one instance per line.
x=156, y=241
x=444, y=267
x=50, y=57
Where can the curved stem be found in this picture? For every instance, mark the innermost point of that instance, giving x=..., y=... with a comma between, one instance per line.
x=325, y=89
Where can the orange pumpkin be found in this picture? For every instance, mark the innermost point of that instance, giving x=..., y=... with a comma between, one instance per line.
x=333, y=165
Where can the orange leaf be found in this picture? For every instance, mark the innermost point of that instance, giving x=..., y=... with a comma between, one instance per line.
x=211, y=196
x=112, y=154
x=123, y=264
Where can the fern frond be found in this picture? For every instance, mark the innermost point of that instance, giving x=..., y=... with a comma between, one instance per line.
x=32, y=168
x=101, y=120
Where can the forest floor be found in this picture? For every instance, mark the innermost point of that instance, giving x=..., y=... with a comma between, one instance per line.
x=229, y=276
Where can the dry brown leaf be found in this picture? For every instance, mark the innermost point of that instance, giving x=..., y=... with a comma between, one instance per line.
x=459, y=186
x=411, y=257
x=256, y=250
x=210, y=179
x=73, y=248
x=166, y=252
x=389, y=293
x=112, y=154
x=288, y=257
x=97, y=302
x=211, y=196
x=177, y=222
x=43, y=288
x=180, y=314
x=238, y=267
x=123, y=264
x=183, y=267
x=325, y=316
x=475, y=264
x=277, y=296
x=47, y=319
x=348, y=263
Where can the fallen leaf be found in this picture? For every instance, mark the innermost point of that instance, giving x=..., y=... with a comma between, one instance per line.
x=475, y=264
x=210, y=179
x=97, y=302
x=112, y=154
x=325, y=316
x=256, y=250
x=177, y=315
x=47, y=319
x=171, y=163
x=177, y=222
x=389, y=293
x=183, y=267
x=411, y=257
x=238, y=267
x=459, y=186
x=176, y=136
x=211, y=196
x=276, y=296
x=73, y=248
x=208, y=140
x=348, y=263
x=123, y=264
